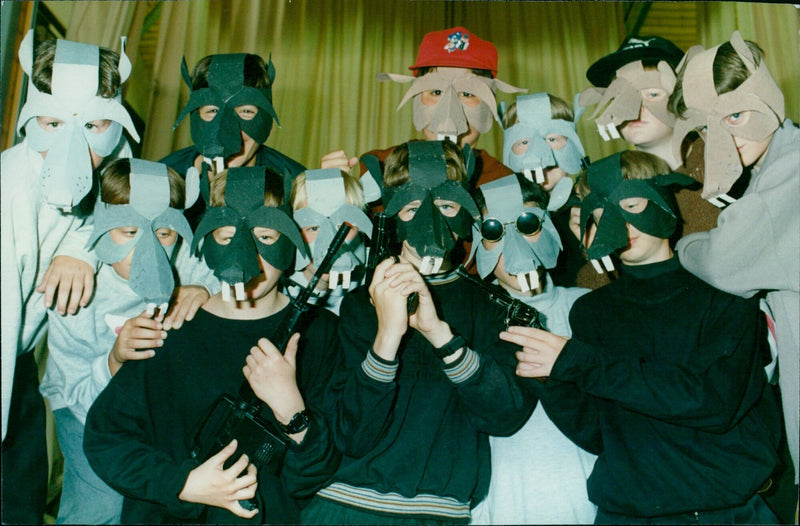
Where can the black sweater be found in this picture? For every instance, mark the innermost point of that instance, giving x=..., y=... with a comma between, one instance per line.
x=424, y=432
x=663, y=379
x=140, y=430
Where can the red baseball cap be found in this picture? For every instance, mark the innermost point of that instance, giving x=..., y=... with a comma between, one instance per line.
x=458, y=48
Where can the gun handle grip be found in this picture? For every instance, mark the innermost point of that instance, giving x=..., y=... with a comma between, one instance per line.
x=412, y=303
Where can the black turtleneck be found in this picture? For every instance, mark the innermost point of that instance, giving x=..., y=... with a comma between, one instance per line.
x=663, y=379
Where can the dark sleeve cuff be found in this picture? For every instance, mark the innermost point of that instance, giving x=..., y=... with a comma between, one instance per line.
x=575, y=360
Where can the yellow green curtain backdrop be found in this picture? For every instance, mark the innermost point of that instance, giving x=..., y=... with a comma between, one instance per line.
x=327, y=53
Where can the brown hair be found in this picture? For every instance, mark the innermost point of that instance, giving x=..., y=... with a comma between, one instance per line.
x=729, y=71
x=255, y=72
x=115, y=187
x=108, y=81
x=559, y=109
x=396, y=171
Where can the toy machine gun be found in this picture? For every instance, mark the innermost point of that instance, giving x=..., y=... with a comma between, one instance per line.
x=243, y=418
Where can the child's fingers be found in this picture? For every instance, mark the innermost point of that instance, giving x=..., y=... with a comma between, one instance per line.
x=290, y=354
x=223, y=454
x=76, y=294
x=132, y=355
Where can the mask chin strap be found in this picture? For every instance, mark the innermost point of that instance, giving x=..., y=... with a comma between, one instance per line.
x=603, y=263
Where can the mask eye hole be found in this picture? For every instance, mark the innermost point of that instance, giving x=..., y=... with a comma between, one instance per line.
x=633, y=205
x=266, y=236
x=224, y=235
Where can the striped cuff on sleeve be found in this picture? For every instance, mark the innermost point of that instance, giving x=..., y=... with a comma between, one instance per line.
x=379, y=369
x=462, y=369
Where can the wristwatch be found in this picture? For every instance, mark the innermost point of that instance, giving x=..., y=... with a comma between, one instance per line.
x=299, y=422
x=455, y=343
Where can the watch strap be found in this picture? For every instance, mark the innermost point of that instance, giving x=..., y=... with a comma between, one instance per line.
x=298, y=423
x=455, y=343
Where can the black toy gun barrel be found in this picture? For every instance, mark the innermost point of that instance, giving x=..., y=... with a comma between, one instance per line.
x=299, y=304
x=517, y=312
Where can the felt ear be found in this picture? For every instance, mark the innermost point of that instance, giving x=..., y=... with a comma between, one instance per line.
x=590, y=96
x=124, y=62
x=505, y=87
x=270, y=70
x=192, y=186
x=374, y=167
x=692, y=51
x=668, y=77
x=577, y=107
x=741, y=48
x=185, y=74
x=25, y=52
x=403, y=79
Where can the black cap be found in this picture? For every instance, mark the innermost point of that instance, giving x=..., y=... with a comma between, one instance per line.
x=633, y=48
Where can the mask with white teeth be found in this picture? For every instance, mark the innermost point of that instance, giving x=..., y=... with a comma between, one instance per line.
x=504, y=202
x=608, y=189
x=622, y=100
x=221, y=137
x=535, y=123
x=327, y=209
x=430, y=232
x=151, y=274
x=450, y=117
x=237, y=262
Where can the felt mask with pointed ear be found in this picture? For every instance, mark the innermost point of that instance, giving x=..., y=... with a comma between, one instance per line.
x=633, y=89
x=608, y=189
x=151, y=274
x=430, y=232
x=326, y=210
x=759, y=95
x=529, y=135
x=67, y=172
x=237, y=262
x=507, y=221
x=220, y=137
x=451, y=117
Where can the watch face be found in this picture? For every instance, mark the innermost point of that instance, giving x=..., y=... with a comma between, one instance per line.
x=298, y=423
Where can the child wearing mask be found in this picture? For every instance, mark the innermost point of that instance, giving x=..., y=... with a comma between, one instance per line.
x=663, y=377
x=728, y=93
x=321, y=201
x=421, y=387
x=538, y=474
x=137, y=225
x=140, y=431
